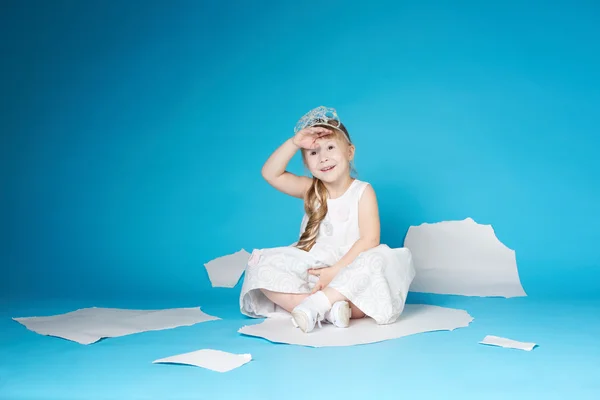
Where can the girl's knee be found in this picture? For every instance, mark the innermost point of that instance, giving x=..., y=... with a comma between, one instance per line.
x=287, y=301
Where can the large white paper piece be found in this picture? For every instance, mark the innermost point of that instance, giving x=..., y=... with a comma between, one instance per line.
x=226, y=271
x=88, y=325
x=416, y=318
x=507, y=343
x=215, y=360
x=462, y=258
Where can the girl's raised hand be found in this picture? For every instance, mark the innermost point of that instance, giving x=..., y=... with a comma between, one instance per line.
x=307, y=137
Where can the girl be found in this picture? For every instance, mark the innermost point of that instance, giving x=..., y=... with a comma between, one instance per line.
x=338, y=269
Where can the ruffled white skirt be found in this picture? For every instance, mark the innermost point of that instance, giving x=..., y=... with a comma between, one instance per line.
x=377, y=282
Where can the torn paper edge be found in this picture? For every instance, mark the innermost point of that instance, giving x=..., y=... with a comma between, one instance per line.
x=96, y=338
x=498, y=341
x=470, y=220
x=308, y=341
x=522, y=293
x=178, y=359
x=212, y=277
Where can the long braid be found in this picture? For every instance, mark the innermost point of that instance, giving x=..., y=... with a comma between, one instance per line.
x=315, y=199
x=315, y=206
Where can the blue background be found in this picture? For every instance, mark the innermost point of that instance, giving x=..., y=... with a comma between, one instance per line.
x=133, y=133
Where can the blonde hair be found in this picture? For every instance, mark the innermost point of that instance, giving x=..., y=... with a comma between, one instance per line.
x=315, y=200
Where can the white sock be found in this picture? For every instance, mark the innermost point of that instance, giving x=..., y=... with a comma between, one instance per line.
x=318, y=302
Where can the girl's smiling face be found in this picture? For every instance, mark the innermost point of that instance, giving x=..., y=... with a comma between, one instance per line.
x=330, y=160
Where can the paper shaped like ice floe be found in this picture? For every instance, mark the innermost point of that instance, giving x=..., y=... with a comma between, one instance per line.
x=226, y=271
x=215, y=360
x=88, y=325
x=507, y=343
x=416, y=318
x=462, y=258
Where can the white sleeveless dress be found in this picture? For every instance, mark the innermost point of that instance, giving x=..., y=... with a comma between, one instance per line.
x=377, y=281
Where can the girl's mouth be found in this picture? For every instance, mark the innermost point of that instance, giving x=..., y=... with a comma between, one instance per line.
x=328, y=168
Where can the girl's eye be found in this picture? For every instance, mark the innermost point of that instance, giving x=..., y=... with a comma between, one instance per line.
x=312, y=153
x=330, y=147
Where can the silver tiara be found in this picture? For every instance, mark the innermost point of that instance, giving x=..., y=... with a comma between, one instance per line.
x=319, y=116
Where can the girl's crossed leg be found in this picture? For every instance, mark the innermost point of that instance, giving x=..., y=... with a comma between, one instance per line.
x=289, y=301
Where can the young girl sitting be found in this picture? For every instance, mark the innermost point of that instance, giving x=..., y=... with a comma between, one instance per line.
x=338, y=269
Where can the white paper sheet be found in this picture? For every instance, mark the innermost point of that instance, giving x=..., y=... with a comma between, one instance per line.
x=416, y=318
x=226, y=271
x=462, y=258
x=215, y=360
x=88, y=325
x=507, y=343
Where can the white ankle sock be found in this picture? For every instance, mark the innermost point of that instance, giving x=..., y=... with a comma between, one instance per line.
x=318, y=302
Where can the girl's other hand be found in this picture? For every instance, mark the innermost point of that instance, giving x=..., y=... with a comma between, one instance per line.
x=307, y=137
x=325, y=276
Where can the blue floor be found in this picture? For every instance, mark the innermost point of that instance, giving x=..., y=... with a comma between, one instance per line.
x=436, y=365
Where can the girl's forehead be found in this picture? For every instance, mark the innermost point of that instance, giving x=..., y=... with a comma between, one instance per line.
x=326, y=140
x=322, y=144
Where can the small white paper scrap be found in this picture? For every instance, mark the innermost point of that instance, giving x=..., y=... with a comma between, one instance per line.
x=215, y=360
x=226, y=271
x=507, y=343
x=416, y=318
x=88, y=325
x=462, y=258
